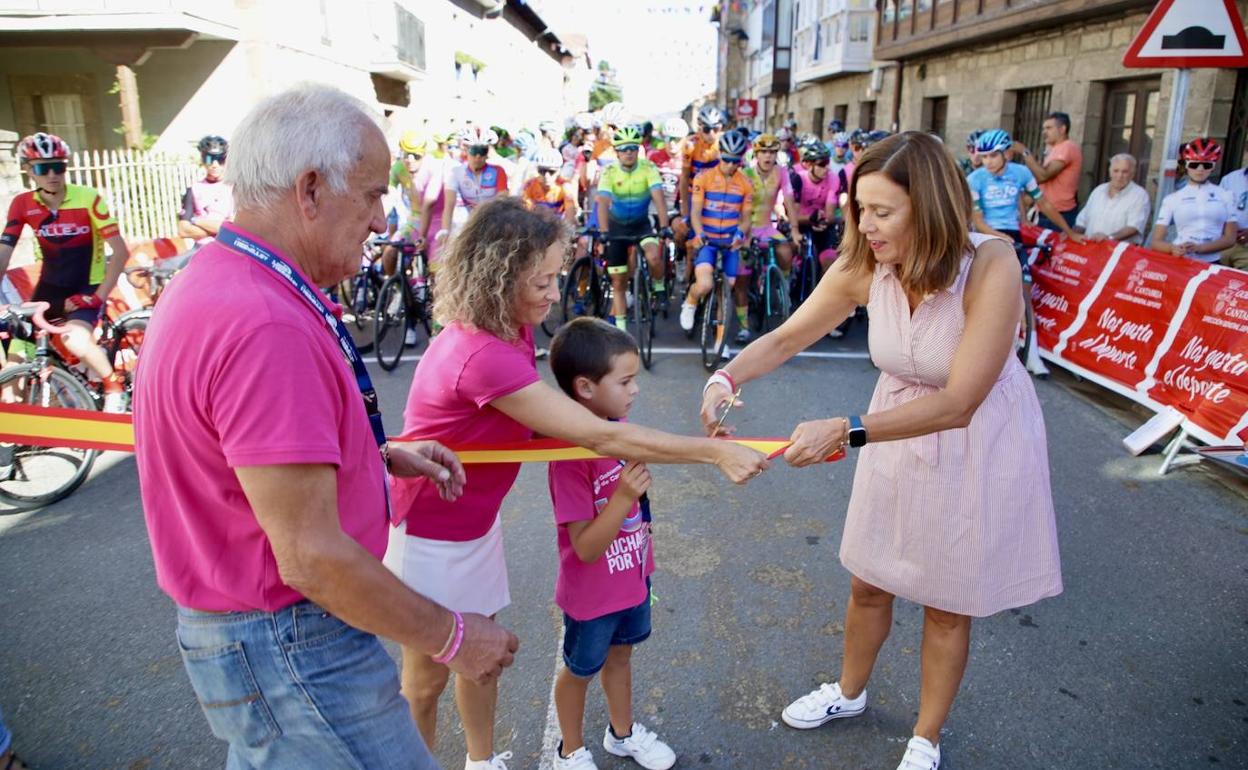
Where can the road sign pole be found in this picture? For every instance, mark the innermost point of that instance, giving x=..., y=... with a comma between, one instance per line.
x=1174, y=136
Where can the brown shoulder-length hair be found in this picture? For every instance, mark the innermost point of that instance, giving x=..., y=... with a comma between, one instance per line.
x=940, y=210
x=489, y=259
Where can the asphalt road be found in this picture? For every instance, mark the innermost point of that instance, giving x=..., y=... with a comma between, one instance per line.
x=1139, y=664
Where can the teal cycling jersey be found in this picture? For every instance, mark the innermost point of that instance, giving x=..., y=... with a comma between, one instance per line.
x=997, y=195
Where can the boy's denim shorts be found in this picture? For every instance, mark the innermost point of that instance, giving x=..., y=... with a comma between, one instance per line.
x=586, y=642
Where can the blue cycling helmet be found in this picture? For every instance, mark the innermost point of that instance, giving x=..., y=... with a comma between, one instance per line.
x=993, y=140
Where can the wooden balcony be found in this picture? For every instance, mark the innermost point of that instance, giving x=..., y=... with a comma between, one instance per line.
x=908, y=28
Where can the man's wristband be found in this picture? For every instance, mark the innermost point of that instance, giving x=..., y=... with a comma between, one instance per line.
x=453, y=642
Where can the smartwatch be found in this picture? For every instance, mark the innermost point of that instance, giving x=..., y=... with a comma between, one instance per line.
x=857, y=433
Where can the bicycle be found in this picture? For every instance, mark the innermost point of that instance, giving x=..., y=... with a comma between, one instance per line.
x=716, y=310
x=35, y=476
x=805, y=273
x=644, y=300
x=358, y=295
x=587, y=288
x=404, y=300
x=769, y=301
x=1029, y=256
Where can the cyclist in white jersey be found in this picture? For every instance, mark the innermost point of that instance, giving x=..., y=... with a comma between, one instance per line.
x=1203, y=213
x=474, y=181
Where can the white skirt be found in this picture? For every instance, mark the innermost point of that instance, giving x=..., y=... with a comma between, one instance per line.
x=467, y=576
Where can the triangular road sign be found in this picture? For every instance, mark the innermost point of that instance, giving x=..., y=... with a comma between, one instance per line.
x=1190, y=33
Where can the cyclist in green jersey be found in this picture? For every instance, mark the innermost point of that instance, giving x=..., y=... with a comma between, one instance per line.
x=626, y=191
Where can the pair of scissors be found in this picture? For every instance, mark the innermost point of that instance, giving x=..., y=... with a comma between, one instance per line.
x=727, y=410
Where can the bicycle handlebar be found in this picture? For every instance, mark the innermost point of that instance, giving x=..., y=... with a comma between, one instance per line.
x=34, y=311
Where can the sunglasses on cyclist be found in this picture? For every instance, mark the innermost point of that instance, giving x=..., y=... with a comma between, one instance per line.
x=1200, y=164
x=730, y=158
x=479, y=150
x=707, y=129
x=627, y=148
x=413, y=156
x=40, y=169
x=549, y=171
x=823, y=163
x=210, y=158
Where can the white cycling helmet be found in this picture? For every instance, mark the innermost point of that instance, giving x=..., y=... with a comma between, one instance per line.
x=549, y=158
x=675, y=128
x=584, y=121
x=615, y=114
x=478, y=135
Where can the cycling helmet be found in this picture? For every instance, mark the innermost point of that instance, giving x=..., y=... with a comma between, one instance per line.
x=993, y=140
x=1202, y=148
x=815, y=151
x=525, y=142
x=791, y=124
x=412, y=142
x=614, y=114
x=732, y=144
x=549, y=158
x=973, y=138
x=675, y=128
x=840, y=139
x=626, y=135
x=877, y=136
x=857, y=137
x=583, y=121
x=41, y=146
x=478, y=135
x=836, y=126
x=766, y=142
x=213, y=145
x=548, y=127
x=710, y=116
x=784, y=135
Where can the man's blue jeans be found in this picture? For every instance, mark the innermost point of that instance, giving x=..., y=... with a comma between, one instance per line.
x=298, y=688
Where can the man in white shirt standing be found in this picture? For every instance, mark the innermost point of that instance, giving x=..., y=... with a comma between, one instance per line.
x=1118, y=209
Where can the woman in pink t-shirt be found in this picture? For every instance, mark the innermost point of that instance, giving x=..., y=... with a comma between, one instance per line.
x=478, y=383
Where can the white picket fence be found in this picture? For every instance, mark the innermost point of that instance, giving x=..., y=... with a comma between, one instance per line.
x=143, y=189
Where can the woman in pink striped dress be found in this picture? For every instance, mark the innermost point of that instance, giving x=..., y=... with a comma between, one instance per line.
x=951, y=504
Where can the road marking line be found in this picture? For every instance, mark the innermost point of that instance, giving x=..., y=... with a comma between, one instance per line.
x=551, y=734
x=853, y=355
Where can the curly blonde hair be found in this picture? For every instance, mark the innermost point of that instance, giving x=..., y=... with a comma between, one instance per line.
x=489, y=260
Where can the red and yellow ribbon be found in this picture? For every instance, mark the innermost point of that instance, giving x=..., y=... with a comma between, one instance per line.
x=86, y=429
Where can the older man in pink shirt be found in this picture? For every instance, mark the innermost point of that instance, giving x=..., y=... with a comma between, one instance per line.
x=262, y=463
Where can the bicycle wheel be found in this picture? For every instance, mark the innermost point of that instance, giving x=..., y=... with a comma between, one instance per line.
x=1028, y=326
x=643, y=314
x=390, y=322
x=711, y=337
x=776, y=305
x=582, y=295
x=42, y=475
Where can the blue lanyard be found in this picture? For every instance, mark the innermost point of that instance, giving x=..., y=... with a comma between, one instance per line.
x=244, y=245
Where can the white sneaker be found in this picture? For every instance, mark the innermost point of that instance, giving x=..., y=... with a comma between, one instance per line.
x=920, y=755
x=410, y=338
x=743, y=336
x=580, y=759
x=493, y=763
x=643, y=746
x=836, y=334
x=686, y=316
x=115, y=402
x=822, y=706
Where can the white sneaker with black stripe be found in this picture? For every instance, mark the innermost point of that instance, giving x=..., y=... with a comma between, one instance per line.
x=821, y=706
x=920, y=755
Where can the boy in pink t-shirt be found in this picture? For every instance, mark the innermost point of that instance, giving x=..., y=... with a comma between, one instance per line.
x=605, y=553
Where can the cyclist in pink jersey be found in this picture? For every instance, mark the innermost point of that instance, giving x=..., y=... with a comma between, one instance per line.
x=770, y=183
x=817, y=193
x=420, y=178
x=208, y=202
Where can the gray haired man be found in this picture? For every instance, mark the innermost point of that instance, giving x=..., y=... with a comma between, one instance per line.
x=1118, y=209
x=262, y=463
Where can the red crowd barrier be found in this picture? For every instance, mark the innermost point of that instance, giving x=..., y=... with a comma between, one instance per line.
x=1161, y=330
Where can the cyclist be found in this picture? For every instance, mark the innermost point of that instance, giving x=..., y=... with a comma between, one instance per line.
x=1202, y=212
x=548, y=189
x=208, y=202
x=996, y=190
x=71, y=224
x=419, y=178
x=972, y=160
x=790, y=154
x=770, y=182
x=626, y=191
x=817, y=192
x=698, y=152
x=474, y=181
x=840, y=152
x=666, y=157
x=720, y=209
